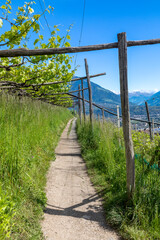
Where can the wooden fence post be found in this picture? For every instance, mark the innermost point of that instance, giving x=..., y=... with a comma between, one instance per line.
x=90, y=93
x=74, y=108
x=99, y=118
x=80, y=104
x=152, y=128
x=136, y=127
x=84, y=111
x=118, y=119
x=129, y=151
x=103, y=114
x=148, y=116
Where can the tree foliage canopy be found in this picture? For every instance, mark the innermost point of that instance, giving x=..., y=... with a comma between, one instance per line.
x=25, y=29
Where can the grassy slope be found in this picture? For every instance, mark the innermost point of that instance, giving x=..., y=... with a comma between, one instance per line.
x=105, y=161
x=29, y=132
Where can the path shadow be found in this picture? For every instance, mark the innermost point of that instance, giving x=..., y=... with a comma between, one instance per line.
x=69, y=139
x=69, y=154
x=93, y=213
x=73, y=169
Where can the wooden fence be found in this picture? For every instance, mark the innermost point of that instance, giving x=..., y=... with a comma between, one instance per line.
x=122, y=46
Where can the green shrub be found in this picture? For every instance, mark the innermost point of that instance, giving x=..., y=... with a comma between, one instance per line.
x=6, y=215
x=104, y=153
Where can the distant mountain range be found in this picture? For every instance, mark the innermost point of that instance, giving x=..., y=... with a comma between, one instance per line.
x=109, y=99
x=100, y=95
x=154, y=100
x=139, y=97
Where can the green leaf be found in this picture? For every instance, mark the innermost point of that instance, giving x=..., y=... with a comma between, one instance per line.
x=36, y=17
x=68, y=37
x=41, y=37
x=3, y=7
x=58, y=38
x=36, y=41
x=67, y=44
x=21, y=9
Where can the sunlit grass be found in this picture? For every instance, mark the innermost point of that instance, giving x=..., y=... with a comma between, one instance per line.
x=103, y=151
x=29, y=132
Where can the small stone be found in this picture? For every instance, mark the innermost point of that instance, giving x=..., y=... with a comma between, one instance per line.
x=86, y=217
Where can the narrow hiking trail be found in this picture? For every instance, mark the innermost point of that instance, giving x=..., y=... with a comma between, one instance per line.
x=74, y=210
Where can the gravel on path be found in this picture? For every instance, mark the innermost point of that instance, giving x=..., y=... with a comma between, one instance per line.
x=74, y=209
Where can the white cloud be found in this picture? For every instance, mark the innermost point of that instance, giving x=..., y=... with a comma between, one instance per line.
x=115, y=92
x=144, y=91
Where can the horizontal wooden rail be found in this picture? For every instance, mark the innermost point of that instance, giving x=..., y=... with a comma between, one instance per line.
x=143, y=42
x=61, y=93
x=105, y=109
x=94, y=104
x=62, y=99
x=66, y=98
x=72, y=80
x=51, y=51
x=91, y=76
x=8, y=85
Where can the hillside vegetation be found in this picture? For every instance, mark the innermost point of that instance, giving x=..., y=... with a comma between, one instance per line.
x=109, y=99
x=29, y=132
x=103, y=151
x=100, y=95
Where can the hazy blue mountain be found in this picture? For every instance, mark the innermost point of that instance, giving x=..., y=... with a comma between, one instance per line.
x=100, y=95
x=109, y=99
x=154, y=100
x=139, y=97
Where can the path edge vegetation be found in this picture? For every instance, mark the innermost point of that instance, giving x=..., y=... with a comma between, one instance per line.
x=30, y=131
x=103, y=151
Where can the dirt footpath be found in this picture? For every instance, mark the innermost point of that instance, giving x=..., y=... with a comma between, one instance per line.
x=74, y=210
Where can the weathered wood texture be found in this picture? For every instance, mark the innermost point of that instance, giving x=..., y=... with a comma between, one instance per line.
x=73, y=80
x=115, y=114
x=9, y=84
x=129, y=151
x=51, y=51
x=89, y=91
x=98, y=117
x=118, y=118
x=103, y=115
x=149, y=121
x=143, y=42
x=153, y=128
x=62, y=93
x=62, y=100
x=67, y=98
x=94, y=104
x=83, y=102
x=91, y=76
x=80, y=103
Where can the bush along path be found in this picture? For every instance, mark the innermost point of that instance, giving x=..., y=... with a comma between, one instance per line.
x=74, y=210
x=104, y=153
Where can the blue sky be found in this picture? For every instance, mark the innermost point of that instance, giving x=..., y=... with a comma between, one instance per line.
x=103, y=20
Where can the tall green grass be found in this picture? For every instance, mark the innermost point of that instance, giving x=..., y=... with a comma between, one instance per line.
x=103, y=151
x=29, y=132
